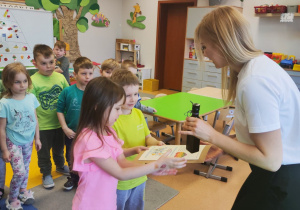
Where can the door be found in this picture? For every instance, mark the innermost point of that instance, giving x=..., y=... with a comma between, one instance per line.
x=171, y=29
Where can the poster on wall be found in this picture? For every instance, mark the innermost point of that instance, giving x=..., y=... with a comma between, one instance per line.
x=135, y=20
x=19, y=33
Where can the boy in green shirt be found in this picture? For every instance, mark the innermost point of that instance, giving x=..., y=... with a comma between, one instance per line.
x=132, y=128
x=68, y=109
x=47, y=85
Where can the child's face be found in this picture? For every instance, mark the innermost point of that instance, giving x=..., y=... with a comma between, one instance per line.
x=59, y=52
x=20, y=85
x=131, y=92
x=106, y=73
x=45, y=65
x=84, y=76
x=116, y=111
x=133, y=70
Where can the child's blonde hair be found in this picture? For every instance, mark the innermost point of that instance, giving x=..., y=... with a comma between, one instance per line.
x=60, y=45
x=124, y=77
x=126, y=64
x=82, y=62
x=42, y=49
x=109, y=64
x=8, y=77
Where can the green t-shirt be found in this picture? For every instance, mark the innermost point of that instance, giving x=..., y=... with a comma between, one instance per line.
x=69, y=102
x=47, y=89
x=132, y=129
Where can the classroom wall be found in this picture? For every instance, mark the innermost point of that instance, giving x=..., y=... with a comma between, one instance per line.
x=98, y=43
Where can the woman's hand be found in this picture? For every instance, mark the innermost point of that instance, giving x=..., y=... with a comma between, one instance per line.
x=198, y=128
x=166, y=165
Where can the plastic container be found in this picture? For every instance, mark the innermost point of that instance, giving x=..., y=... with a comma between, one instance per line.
x=278, y=9
x=260, y=9
x=292, y=8
x=150, y=84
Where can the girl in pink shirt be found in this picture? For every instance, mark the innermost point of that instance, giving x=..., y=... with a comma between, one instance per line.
x=97, y=152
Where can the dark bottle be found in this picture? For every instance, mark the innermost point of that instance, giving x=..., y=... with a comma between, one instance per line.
x=192, y=143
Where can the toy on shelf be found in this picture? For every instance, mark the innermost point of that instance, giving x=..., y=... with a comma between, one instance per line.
x=276, y=58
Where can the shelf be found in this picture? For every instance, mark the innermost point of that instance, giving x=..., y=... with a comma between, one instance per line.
x=274, y=14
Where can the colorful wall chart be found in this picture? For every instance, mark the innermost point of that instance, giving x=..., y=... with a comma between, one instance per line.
x=20, y=30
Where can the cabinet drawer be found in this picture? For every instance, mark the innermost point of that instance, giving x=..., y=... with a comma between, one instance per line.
x=190, y=64
x=210, y=67
x=185, y=89
x=191, y=83
x=192, y=74
x=211, y=84
x=212, y=77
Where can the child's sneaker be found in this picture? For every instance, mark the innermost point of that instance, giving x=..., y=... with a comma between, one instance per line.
x=15, y=205
x=26, y=197
x=69, y=184
x=63, y=170
x=48, y=182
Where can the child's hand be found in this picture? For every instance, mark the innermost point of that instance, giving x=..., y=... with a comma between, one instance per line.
x=154, y=110
x=69, y=133
x=58, y=70
x=38, y=145
x=140, y=149
x=164, y=172
x=6, y=156
x=160, y=143
x=166, y=163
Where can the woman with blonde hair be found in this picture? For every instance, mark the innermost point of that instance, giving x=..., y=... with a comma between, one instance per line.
x=267, y=114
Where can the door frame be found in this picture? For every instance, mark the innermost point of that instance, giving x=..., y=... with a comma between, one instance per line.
x=160, y=37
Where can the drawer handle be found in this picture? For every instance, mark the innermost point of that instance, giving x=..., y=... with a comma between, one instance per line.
x=211, y=76
x=193, y=63
x=191, y=73
x=191, y=82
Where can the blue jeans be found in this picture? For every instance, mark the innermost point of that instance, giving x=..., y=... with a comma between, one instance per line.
x=131, y=199
x=2, y=171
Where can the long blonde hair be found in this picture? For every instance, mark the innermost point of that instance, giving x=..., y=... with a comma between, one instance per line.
x=227, y=28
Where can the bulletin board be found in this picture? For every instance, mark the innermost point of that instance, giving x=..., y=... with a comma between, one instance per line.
x=20, y=30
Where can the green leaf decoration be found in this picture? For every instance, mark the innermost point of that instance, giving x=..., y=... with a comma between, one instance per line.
x=72, y=5
x=56, y=28
x=136, y=24
x=140, y=18
x=83, y=3
x=82, y=24
x=131, y=15
x=100, y=24
x=34, y=3
x=65, y=1
x=94, y=9
x=50, y=5
x=86, y=9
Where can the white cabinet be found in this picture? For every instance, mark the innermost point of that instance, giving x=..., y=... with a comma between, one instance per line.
x=143, y=73
x=196, y=77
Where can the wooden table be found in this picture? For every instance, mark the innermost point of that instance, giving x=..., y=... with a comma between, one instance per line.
x=208, y=91
x=175, y=107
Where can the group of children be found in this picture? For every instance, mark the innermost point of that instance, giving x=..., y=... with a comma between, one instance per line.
x=95, y=118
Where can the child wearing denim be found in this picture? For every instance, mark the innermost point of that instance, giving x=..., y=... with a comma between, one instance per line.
x=18, y=128
x=68, y=109
x=47, y=85
x=132, y=128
